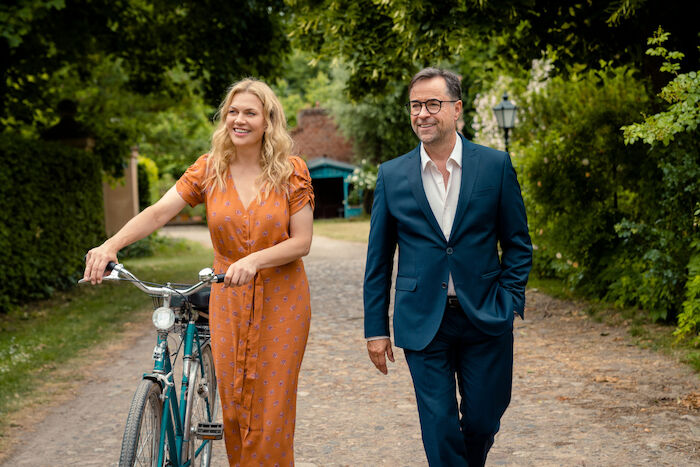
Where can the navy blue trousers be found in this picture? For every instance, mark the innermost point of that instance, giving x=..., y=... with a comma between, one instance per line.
x=483, y=368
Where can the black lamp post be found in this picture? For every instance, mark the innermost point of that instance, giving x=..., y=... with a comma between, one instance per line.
x=505, y=116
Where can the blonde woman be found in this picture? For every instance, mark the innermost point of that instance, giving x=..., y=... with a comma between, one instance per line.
x=259, y=205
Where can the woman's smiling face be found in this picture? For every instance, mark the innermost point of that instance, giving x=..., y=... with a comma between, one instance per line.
x=245, y=121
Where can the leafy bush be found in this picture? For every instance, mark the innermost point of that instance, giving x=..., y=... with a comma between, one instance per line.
x=364, y=180
x=579, y=178
x=648, y=269
x=671, y=198
x=147, y=174
x=354, y=197
x=612, y=216
x=689, y=317
x=143, y=248
x=53, y=215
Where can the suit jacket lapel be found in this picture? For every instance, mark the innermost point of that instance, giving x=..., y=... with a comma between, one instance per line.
x=470, y=166
x=415, y=181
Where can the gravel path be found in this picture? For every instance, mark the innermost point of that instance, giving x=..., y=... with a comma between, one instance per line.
x=583, y=395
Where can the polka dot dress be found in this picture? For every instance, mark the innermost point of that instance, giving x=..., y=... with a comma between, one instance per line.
x=258, y=330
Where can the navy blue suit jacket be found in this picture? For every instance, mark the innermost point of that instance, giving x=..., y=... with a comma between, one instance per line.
x=490, y=212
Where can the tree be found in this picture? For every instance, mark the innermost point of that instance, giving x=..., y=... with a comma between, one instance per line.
x=385, y=42
x=378, y=125
x=214, y=42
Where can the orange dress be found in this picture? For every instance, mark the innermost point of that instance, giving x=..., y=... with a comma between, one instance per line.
x=258, y=330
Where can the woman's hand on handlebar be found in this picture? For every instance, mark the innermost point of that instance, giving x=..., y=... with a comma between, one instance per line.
x=96, y=262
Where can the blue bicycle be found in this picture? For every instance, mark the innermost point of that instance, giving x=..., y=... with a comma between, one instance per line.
x=162, y=429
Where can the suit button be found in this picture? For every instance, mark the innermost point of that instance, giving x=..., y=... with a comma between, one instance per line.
x=449, y=250
x=444, y=285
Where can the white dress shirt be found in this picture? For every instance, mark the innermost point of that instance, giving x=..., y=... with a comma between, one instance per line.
x=443, y=199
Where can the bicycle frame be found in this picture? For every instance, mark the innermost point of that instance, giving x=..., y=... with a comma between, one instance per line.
x=172, y=430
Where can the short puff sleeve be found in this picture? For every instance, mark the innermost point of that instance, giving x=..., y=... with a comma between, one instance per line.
x=300, y=189
x=190, y=186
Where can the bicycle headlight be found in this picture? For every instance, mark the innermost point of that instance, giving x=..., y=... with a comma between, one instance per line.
x=163, y=318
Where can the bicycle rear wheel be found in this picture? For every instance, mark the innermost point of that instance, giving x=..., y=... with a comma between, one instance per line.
x=203, y=407
x=142, y=433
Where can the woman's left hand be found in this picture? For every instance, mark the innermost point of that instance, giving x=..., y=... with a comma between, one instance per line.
x=241, y=272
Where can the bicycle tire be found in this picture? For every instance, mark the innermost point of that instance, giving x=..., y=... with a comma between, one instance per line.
x=142, y=432
x=204, y=407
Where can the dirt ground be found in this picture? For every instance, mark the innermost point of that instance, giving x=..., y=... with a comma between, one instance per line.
x=583, y=394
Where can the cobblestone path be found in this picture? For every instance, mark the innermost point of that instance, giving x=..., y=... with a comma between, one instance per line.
x=583, y=395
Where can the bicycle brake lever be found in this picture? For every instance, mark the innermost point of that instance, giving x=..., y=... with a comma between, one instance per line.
x=110, y=267
x=113, y=276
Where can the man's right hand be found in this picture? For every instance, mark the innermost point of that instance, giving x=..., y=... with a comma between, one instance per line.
x=377, y=349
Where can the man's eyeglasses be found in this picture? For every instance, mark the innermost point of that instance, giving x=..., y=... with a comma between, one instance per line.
x=433, y=106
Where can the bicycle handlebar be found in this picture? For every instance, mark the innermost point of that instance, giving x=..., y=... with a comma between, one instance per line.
x=119, y=273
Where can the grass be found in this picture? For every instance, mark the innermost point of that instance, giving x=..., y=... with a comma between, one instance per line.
x=643, y=331
x=355, y=229
x=44, y=337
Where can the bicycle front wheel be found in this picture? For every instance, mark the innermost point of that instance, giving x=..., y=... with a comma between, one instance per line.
x=202, y=406
x=142, y=433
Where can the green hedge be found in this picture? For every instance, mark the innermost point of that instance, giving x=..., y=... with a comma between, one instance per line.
x=53, y=214
x=147, y=174
x=612, y=218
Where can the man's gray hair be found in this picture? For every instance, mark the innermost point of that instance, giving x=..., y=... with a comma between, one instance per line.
x=454, y=90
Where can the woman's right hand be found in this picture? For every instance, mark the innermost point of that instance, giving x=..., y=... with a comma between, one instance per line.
x=96, y=261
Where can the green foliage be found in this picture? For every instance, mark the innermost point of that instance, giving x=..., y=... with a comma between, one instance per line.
x=363, y=180
x=147, y=175
x=364, y=177
x=647, y=269
x=367, y=31
x=53, y=215
x=689, y=317
x=615, y=220
x=578, y=174
x=378, y=126
x=671, y=199
x=16, y=20
x=683, y=95
x=143, y=248
x=306, y=83
x=600, y=217
x=151, y=37
x=155, y=46
x=385, y=42
x=354, y=197
x=172, y=133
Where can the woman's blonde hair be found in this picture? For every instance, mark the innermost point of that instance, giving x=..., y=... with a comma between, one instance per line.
x=276, y=142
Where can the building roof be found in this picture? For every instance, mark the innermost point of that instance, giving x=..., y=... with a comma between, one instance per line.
x=320, y=162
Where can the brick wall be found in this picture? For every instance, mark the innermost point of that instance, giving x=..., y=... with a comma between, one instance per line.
x=317, y=135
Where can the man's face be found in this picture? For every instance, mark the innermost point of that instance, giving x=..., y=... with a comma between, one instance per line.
x=435, y=128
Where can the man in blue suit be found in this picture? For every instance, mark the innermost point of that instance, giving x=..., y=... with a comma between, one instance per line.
x=448, y=205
